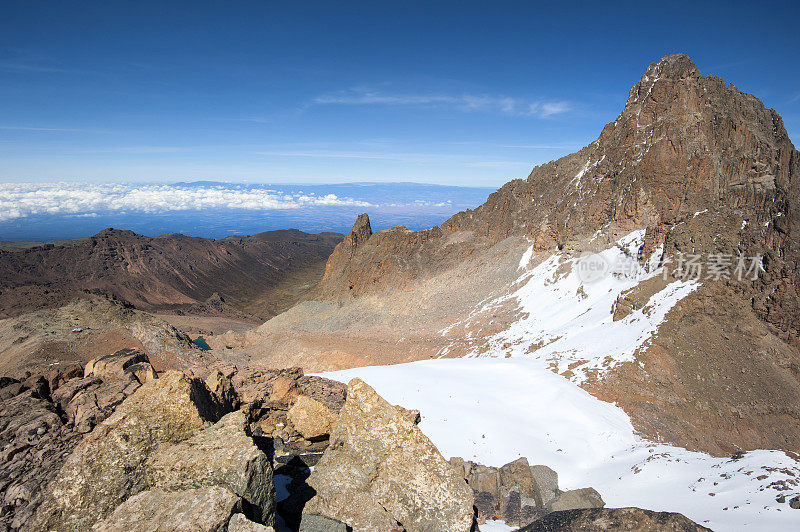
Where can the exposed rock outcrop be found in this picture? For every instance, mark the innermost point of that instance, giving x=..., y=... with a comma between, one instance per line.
x=221, y=455
x=311, y=418
x=108, y=466
x=614, y=519
x=703, y=170
x=380, y=471
x=203, y=509
x=519, y=493
x=42, y=419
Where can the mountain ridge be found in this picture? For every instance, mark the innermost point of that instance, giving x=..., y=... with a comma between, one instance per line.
x=167, y=272
x=691, y=166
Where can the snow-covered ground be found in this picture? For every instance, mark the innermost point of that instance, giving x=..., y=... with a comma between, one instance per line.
x=505, y=401
x=493, y=411
x=565, y=306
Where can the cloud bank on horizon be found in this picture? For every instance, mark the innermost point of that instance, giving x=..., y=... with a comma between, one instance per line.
x=20, y=200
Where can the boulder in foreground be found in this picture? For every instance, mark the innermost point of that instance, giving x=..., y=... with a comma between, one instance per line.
x=222, y=455
x=381, y=471
x=202, y=509
x=107, y=467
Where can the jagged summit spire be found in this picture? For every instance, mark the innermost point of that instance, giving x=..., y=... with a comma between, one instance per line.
x=672, y=66
x=360, y=232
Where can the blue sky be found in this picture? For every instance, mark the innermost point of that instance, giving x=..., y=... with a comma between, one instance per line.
x=464, y=93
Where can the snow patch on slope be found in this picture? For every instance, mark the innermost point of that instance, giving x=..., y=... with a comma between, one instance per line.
x=493, y=411
x=567, y=323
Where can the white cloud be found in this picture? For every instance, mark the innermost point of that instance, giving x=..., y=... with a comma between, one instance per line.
x=20, y=200
x=465, y=102
x=553, y=108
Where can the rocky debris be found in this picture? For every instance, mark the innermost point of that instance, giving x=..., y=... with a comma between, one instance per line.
x=239, y=523
x=63, y=373
x=381, y=472
x=221, y=455
x=202, y=509
x=34, y=442
x=272, y=395
x=518, y=493
x=43, y=419
x=107, y=381
x=614, y=519
x=88, y=401
x=108, y=465
x=310, y=418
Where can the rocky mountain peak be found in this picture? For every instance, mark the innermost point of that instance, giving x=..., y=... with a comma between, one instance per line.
x=685, y=145
x=674, y=66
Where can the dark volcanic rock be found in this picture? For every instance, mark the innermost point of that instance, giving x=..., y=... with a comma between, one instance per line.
x=35, y=441
x=614, y=519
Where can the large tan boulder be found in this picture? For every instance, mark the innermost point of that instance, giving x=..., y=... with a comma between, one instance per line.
x=121, y=364
x=107, y=467
x=202, y=510
x=221, y=455
x=380, y=470
x=311, y=418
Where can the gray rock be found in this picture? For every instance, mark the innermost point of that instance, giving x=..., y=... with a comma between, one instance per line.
x=484, y=478
x=203, y=509
x=545, y=482
x=380, y=470
x=34, y=442
x=320, y=523
x=487, y=506
x=510, y=505
x=530, y=511
x=576, y=500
